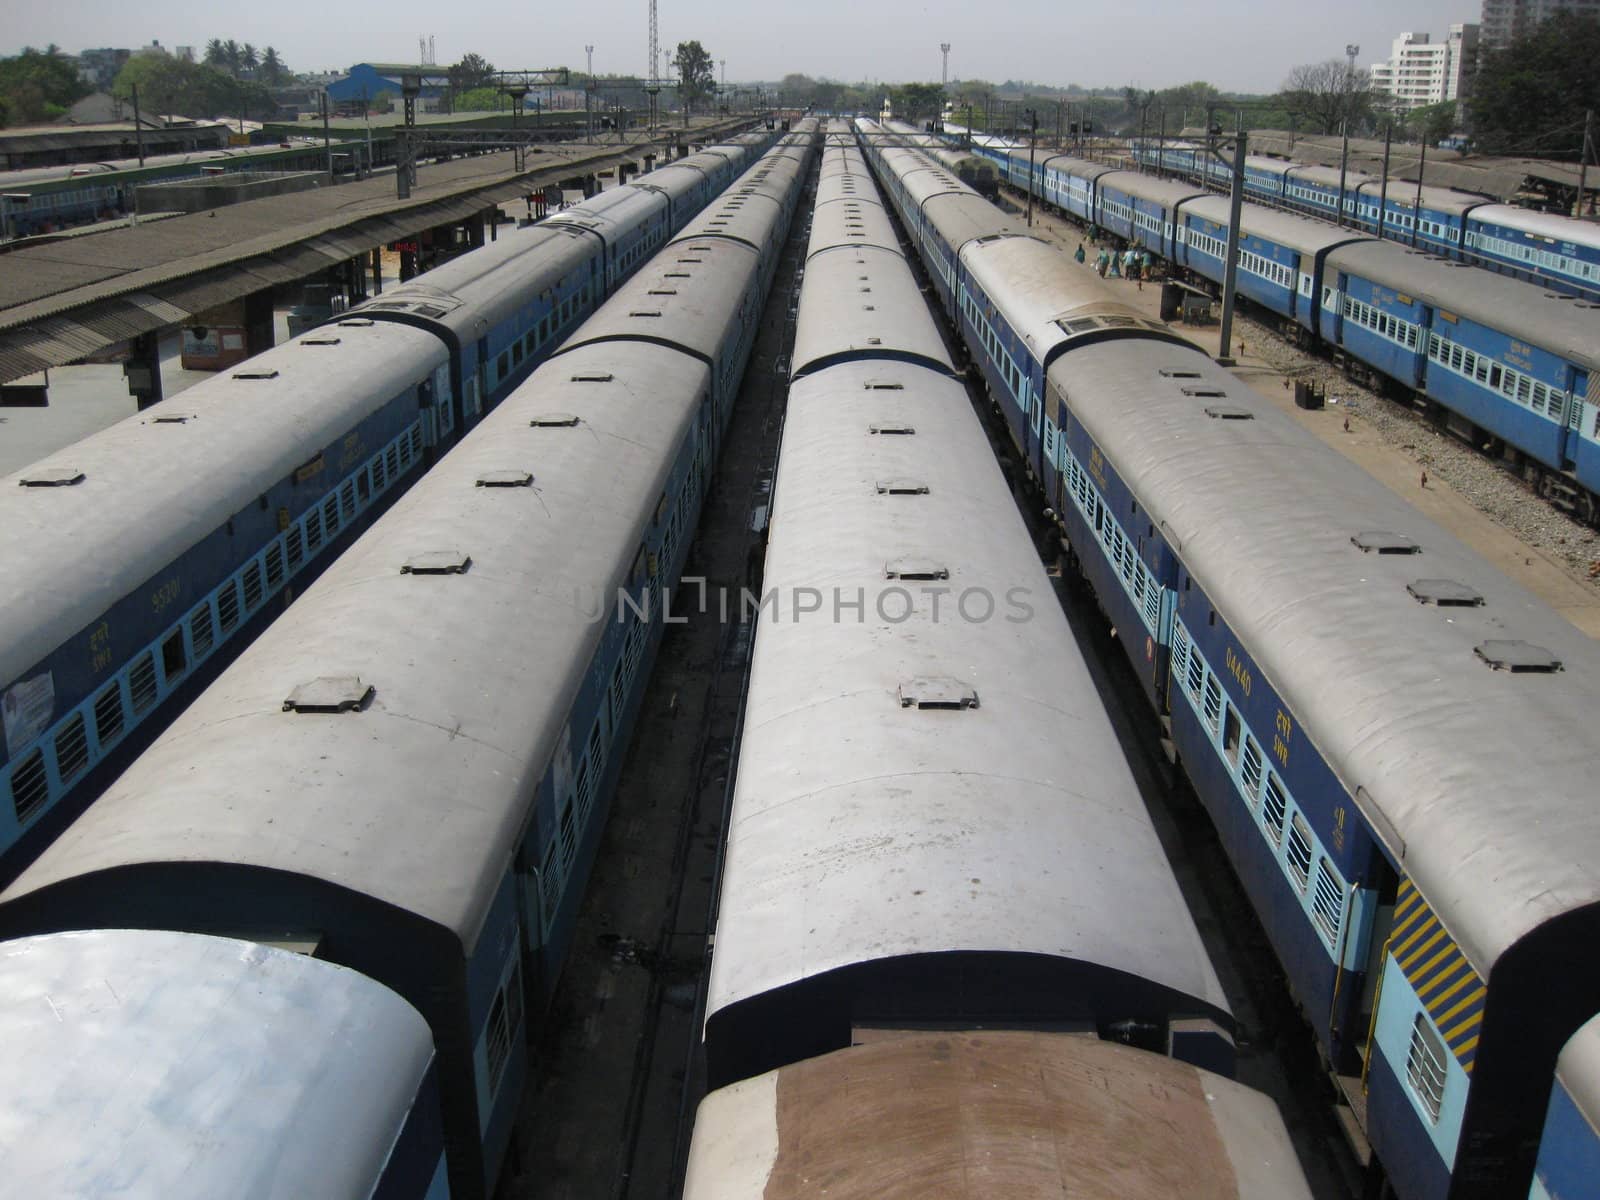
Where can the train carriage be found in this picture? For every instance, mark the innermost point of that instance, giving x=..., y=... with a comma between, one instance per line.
x=158, y=567
x=410, y=774
x=895, y=878
x=1515, y=363
x=148, y=1063
x=967, y=1116
x=1141, y=210
x=1282, y=259
x=1569, y=1147
x=1548, y=248
x=1389, y=735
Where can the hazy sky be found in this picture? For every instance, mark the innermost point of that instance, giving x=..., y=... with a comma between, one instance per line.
x=1235, y=44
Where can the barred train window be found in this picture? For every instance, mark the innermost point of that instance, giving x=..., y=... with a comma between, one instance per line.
x=1425, y=1066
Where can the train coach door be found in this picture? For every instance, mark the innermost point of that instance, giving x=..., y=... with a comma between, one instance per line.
x=1358, y=1031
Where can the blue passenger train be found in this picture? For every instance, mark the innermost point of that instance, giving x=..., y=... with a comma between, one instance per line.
x=136, y=568
x=1503, y=363
x=408, y=774
x=1549, y=249
x=1392, y=739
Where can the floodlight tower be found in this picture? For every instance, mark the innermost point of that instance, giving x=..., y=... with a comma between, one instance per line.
x=652, y=75
x=944, y=73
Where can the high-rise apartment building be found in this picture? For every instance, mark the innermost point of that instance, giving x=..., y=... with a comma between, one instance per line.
x=1419, y=71
x=1506, y=19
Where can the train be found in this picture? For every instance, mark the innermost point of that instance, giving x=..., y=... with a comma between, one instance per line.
x=1546, y=248
x=58, y=197
x=1391, y=738
x=140, y=559
x=1508, y=366
x=970, y=1115
x=206, y=1066
x=408, y=773
x=929, y=809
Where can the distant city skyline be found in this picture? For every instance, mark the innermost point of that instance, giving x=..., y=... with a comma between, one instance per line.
x=1143, y=43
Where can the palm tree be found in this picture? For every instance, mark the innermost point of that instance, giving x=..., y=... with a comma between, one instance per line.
x=248, y=59
x=216, y=55
x=272, y=69
x=230, y=55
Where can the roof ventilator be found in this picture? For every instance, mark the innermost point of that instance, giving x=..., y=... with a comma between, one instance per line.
x=915, y=569
x=319, y=341
x=883, y=385
x=256, y=374
x=554, y=420
x=172, y=419
x=1444, y=593
x=1208, y=391
x=593, y=377
x=1384, y=542
x=505, y=479
x=52, y=477
x=357, y=323
x=330, y=694
x=1229, y=412
x=937, y=692
x=906, y=430
x=1178, y=373
x=1518, y=657
x=437, y=562
x=902, y=487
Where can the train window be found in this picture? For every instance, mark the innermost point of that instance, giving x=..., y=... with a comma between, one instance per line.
x=1299, y=851
x=502, y=365
x=201, y=635
x=1273, y=805
x=1231, y=731
x=497, y=1043
x=1425, y=1066
x=1250, y=771
x=30, y=786
x=1327, y=902
x=1213, y=702
x=516, y=353
x=108, y=720
x=142, y=682
x=72, y=749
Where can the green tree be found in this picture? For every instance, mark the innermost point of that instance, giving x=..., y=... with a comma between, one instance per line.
x=917, y=101
x=1431, y=123
x=216, y=55
x=272, y=71
x=248, y=59
x=231, y=56
x=473, y=71
x=696, y=73
x=173, y=86
x=481, y=99
x=1531, y=96
x=38, y=85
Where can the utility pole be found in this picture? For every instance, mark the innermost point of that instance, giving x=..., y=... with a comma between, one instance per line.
x=654, y=76
x=1033, y=140
x=327, y=141
x=1422, y=171
x=588, y=97
x=138, y=129
x=944, y=72
x=1583, y=160
x=1383, y=186
x=1344, y=162
x=1230, y=271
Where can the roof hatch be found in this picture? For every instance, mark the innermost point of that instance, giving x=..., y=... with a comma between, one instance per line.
x=937, y=691
x=330, y=694
x=1518, y=657
x=1444, y=593
x=1384, y=542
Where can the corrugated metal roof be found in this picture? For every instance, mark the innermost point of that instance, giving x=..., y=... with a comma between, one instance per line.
x=63, y=301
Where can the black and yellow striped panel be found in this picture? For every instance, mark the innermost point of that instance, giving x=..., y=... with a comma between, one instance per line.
x=1447, y=986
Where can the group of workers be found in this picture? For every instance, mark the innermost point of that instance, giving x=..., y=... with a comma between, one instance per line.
x=1124, y=264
